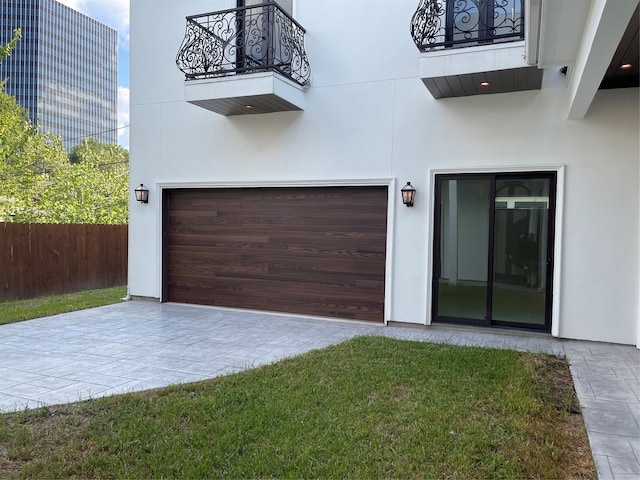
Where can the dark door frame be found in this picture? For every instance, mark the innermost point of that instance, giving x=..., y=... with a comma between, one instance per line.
x=166, y=199
x=550, y=253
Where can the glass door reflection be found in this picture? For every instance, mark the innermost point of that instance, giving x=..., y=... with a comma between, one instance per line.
x=520, y=250
x=465, y=204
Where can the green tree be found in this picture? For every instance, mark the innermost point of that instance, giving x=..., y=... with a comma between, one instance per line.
x=92, y=151
x=40, y=183
x=99, y=178
x=5, y=50
x=29, y=162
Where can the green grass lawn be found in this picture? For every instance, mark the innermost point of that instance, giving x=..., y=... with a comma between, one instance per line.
x=370, y=407
x=19, y=310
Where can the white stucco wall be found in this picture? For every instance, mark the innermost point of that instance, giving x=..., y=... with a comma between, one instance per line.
x=368, y=116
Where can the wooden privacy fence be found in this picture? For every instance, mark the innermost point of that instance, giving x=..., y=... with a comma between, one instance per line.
x=43, y=259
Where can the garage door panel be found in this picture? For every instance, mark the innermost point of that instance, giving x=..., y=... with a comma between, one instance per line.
x=283, y=234
x=267, y=251
x=278, y=255
x=235, y=292
x=217, y=269
x=265, y=272
x=341, y=227
x=263, y=214
x=319, y=279
x=181, y=238
x=331, y=241
x=266, y=288
x=261, y=200
x=204, y=249
x=311, y=246
x=350, y=310
x=317, y=271
x=316, y=264
x=261, y=209
x=260, y=296
x=314, y=251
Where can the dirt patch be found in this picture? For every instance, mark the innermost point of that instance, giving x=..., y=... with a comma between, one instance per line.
x=554, y=372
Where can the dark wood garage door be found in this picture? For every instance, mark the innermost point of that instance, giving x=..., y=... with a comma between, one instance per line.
x=313, y=251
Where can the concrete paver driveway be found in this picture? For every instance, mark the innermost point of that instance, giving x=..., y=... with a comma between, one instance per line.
x=140, y=345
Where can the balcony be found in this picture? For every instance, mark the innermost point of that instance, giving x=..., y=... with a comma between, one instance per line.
x=473, y=47
x=463, y=23
x=245, y=60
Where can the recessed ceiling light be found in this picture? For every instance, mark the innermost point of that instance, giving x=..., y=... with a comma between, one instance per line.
x=248, y=107
x=485, y=84
x=626, y=66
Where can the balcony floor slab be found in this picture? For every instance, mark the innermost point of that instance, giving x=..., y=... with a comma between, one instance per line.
x=247, y=94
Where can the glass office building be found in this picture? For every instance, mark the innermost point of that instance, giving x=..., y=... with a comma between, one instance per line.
x=64, y=70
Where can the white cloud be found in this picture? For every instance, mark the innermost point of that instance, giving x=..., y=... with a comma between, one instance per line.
x=123, y=116
x=75, y=4
x=114, y=13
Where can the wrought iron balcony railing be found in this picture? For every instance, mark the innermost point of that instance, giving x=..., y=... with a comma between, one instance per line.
x=463, y=23
x=251, y=39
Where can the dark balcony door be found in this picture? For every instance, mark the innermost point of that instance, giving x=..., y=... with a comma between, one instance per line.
x=482, y=21
x=251, y=38
x=286, y=5
x=493, y=249
x=256, y=48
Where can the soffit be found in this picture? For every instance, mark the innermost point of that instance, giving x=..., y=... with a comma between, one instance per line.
x=562, y=25
x=249, y=105
x=248, y=94
x=499, y=81
x=628, y=52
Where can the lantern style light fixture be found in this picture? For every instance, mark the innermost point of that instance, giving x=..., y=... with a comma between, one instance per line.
x=408, y=194
x=142, y=194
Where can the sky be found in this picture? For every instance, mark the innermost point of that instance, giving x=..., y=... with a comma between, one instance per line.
x=114, y=13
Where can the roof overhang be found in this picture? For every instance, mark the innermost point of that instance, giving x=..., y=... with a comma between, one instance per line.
x=561, y=24
x=591, y=38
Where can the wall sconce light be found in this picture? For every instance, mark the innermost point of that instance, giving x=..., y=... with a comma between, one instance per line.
x=408, y=194
x=142, y=194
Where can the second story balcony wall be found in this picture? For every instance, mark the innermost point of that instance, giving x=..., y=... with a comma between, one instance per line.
x=463, y=23
x=259, y=38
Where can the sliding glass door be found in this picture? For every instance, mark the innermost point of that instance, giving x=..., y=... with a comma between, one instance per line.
x=493, y=249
